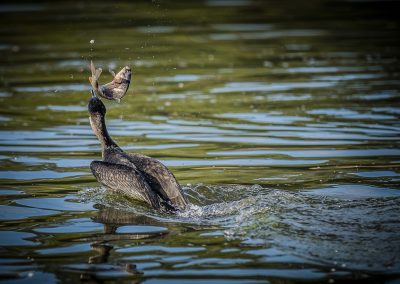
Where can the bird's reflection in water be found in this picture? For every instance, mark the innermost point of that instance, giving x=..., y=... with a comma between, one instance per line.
x=98, y=268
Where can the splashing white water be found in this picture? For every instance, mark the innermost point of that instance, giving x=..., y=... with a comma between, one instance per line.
x=356, y=233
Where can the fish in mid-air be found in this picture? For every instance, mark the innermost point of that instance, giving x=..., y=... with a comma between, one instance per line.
x=116, y=89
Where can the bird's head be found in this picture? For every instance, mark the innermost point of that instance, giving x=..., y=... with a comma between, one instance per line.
x=96, y=106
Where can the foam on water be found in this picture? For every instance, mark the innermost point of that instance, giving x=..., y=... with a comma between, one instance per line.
x=346, y=226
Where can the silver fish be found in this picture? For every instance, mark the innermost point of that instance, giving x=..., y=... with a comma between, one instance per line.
x=114, y=90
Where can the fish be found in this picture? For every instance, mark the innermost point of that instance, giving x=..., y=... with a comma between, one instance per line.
x=116, y=89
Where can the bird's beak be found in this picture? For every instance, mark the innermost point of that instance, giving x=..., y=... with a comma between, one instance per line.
x=93, y=94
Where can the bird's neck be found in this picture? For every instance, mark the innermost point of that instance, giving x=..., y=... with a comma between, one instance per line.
x=98, y=124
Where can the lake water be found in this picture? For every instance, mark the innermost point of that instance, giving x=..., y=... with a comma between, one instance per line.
x=280, y=120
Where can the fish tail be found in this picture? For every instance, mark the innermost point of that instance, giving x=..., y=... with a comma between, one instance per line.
x=92, y=68
x=94, y=83
x=94, y=79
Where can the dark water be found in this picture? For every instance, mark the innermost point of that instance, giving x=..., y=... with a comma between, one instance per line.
x=280, y=119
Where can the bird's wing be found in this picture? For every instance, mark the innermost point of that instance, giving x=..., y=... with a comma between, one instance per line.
x=160, y=179
x=126, y=180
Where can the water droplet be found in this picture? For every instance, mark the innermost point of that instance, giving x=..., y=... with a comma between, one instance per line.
x=15, y=48
x=268, y=64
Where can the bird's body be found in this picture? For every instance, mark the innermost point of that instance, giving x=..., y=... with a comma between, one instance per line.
x=138, y=176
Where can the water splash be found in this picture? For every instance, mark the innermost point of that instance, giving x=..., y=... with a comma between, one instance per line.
x=333, y=230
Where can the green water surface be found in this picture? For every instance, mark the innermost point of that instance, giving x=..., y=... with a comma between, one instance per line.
x=279, y=118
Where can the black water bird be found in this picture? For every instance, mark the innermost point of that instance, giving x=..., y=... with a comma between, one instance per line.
x=135, y=175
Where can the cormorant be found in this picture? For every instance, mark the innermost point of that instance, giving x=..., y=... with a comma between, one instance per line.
x=136, y=175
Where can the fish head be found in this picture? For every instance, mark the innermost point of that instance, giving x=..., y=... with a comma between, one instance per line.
x=124, y=76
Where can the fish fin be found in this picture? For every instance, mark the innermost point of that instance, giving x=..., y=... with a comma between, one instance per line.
x=112, y=72
x=98, y=73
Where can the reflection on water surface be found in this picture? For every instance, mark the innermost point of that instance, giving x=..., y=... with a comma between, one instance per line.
x=280, y=119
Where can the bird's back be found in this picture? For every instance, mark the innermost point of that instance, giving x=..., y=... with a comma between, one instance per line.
x=160, y=179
